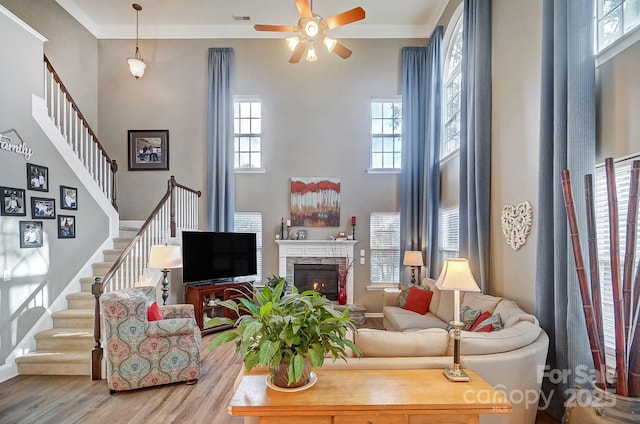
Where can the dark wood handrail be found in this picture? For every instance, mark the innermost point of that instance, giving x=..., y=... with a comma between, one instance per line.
x=113, y=165
x=99, y=284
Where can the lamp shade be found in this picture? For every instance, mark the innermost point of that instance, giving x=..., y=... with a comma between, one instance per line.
x=137, y=67
x=412, y=258
x=456, y=275
x=164, y=256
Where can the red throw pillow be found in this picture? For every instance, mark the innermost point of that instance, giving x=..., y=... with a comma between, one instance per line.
x=153, y=313
x=418, y=300
x=479, y=320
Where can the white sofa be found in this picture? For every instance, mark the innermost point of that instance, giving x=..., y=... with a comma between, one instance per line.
x=510, y=359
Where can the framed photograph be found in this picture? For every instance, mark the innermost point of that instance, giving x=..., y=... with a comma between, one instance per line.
x=68, y=198
x=30, y=234
x=37, y=177
x=66, y=226
x=43, y=208
x=148, y=150
x=302, y=234
x=12, y=202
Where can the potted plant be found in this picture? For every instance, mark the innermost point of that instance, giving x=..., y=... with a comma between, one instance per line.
x=290, y=334
x=274, y=280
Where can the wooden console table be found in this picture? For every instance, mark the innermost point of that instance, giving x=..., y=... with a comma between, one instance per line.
x=370, y=397
x=205, y=298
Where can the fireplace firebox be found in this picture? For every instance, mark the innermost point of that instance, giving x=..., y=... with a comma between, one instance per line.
x=322, y=278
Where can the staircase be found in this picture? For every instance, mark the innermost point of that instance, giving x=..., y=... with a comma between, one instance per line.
x=65, y=349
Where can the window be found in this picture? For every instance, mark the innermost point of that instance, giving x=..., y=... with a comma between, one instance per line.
x=622, y=171
x=386, y=133
x=251, y=222
x=452, y=88
x=384, y=241
x=247, y=133
x=449, y=234
x=614, y=19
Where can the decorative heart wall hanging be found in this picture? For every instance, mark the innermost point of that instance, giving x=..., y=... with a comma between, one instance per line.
x=516, y=223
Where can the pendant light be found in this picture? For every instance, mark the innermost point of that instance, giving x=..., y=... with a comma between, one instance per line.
x=136, y=64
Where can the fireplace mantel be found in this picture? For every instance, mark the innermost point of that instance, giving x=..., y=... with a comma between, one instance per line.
x=317, y=249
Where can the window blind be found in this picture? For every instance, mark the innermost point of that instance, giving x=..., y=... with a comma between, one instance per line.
x=251, y=222
x=384, y=246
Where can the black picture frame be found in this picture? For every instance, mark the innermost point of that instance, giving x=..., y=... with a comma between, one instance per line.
x=66, y=226
x=31, y=234
x=68, y=198
x=43, y=208
x=148, y=150
x=12, y=202
x=37, y=177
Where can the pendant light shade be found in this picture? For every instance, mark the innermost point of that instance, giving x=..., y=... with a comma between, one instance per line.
x=136, y=63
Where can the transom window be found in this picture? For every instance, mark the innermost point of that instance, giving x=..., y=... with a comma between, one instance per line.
x=386, y=133
x=614, y=19
x=251, y=222
x=384, y=245
x=247, y=137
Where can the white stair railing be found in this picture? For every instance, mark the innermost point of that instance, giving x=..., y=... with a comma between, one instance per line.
x=65, y=114
x=178, y=208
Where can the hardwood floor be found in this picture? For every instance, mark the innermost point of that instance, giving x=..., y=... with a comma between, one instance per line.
x=78, y=399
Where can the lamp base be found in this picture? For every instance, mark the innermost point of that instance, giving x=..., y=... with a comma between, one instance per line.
x=456, y=375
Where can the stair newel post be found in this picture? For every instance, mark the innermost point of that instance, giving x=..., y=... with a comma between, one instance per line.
x=96, y=353
x=172, y=205
x=114, y=169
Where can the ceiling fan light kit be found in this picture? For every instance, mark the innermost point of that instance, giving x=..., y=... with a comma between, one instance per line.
x=311, y=28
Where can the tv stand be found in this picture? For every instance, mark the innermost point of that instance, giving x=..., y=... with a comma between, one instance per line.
x=206, y=295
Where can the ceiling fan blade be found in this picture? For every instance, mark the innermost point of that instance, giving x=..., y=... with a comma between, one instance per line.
x=298, y=52
x=279, y=28
x=304, y=9
x=341, y=51
x=344, y=18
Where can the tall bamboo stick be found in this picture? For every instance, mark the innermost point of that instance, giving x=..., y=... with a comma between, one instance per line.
x=582, y=280
x=593, y=262
x=629, y=254
x=618, y=307
x=634, y=358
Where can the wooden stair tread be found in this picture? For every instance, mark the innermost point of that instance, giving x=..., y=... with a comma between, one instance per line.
x=55, y=357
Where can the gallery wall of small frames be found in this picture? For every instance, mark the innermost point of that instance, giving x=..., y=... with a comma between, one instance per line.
x=17, y=202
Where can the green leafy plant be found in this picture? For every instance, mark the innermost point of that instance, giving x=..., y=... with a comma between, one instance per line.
x=272, y=328
x=274, y=280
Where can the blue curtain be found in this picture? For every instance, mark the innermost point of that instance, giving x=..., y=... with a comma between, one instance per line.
x=475, y=139
x=567, y=141
x=220, y=172
x=420, y=175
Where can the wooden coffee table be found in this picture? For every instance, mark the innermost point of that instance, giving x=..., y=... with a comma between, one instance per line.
x=370, y=397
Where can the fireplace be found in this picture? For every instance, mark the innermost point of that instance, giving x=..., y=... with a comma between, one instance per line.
x=310, y=252
x=322, y=278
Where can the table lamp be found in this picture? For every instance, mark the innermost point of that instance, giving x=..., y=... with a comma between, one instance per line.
x=413, y=258
x=164, y=257
x=456, y=275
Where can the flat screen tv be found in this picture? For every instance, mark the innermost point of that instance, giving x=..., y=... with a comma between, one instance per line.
x=217, y=255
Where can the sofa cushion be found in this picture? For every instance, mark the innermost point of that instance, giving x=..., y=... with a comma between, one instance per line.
x=418, y=300
x=398, y=319
x=445, y=305
x=512, y=314
x=380, y=343
x=484, y=302
x=505, y=340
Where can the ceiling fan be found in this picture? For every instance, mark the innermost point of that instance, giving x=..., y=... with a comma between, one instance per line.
x=311, y=28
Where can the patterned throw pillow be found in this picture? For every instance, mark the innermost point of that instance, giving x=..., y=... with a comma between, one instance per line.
x=493, y=323
x=418, y=300
x=402, y=299
x=467, y=317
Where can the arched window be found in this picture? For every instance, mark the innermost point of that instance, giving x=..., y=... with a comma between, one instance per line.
x=452, y=86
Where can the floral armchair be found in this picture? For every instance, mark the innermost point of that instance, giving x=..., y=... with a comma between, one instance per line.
x=141, y=353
